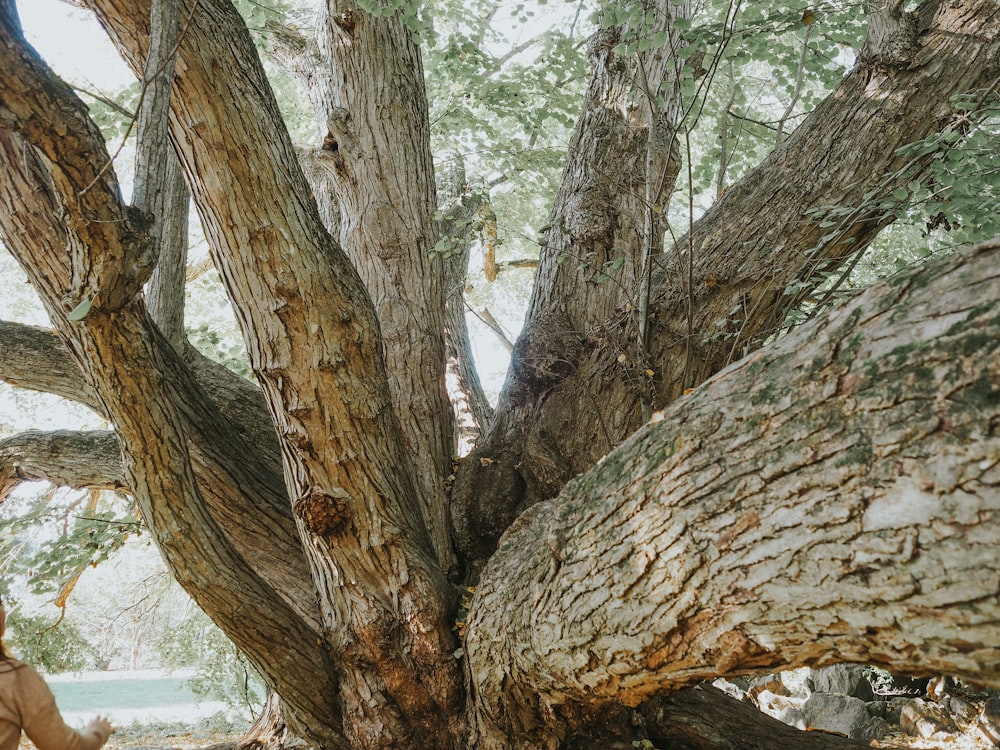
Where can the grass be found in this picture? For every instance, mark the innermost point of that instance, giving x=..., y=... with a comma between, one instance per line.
x=208, y=731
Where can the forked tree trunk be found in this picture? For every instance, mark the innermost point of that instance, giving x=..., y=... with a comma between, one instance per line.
x=867, y=446
x=571, y=399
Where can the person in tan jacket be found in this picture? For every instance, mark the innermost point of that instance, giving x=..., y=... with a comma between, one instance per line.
x=27, y=703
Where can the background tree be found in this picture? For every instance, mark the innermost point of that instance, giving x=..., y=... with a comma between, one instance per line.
x=750, y=524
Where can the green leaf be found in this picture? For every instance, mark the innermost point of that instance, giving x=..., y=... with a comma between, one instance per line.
x=80, y=311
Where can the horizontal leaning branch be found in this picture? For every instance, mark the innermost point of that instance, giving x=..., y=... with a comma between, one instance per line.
x=814, y=501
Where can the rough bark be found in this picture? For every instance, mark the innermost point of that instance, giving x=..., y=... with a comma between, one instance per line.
x=764, y=234
x=714, y=567
x=159, y=190
x=35, y=358
x=58, y=159
x=591, y=267
x=313, y=342
x=833, y=497
x=165, y=292
x=84, y=460
x=375, y=135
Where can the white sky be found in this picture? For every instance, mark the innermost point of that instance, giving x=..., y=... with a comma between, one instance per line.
x=73, y=44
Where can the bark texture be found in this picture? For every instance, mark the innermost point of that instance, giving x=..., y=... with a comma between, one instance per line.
x=834, y=497
x=364, y=76
x=762, y=236
x=96, y=255
x=84, y=460
x=590, y=269
x=792, y=510
x=313, y=341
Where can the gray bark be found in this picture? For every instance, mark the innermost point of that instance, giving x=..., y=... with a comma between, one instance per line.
x=83, y=460
x=810, y=504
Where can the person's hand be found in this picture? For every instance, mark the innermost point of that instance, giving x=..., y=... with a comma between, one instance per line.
x=101, y=727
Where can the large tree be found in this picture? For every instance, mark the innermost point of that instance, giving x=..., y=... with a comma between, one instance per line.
x=830, y=497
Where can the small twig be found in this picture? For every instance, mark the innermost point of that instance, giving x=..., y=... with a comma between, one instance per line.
x=798, y=87
x=106, y=101
x=486, y=318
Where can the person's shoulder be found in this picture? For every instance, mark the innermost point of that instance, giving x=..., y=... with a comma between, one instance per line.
x=11, y=665
x=20, y=669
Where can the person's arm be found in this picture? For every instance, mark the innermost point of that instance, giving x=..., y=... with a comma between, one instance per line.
x=43, y=723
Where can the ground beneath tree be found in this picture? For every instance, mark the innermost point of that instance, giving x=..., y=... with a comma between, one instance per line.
x=158, y=737
x=970, y=740
x=202, y=738
x=153, y=740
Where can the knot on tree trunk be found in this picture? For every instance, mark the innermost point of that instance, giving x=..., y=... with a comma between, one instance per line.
x=322, y=513
x=892, y=35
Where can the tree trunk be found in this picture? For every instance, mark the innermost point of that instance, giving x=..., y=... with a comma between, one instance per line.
x=763, y=238
x=831, y=498
x=376, y=156
x=811, y=504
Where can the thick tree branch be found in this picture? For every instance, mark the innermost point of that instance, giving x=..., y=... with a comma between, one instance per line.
x=372, y=109
x=132, y=370
x=129, y=368
x=696, y=719
x=82, y=460
x=159, y=190
x=590, y=266
x=313, y=342
x=153, y=155
x=810, y=504
x=43, y=109
x=35, y=358
x=165, y=292
x=766, y=236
